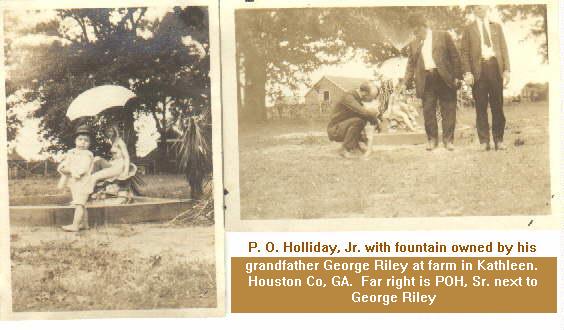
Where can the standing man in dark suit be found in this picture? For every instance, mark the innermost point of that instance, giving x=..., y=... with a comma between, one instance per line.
x=434, y=63
x=350, y=117
x=486, y=65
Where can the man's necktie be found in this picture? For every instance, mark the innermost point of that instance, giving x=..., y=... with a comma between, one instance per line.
x=487, y=40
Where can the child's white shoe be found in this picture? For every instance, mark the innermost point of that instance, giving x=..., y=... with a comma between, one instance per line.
x=70, y=228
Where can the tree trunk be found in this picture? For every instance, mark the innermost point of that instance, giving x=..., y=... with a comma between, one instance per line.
x=129, y=134
x=544, y=12
x=162, y=147
x=255, y=86
x=239, y=82
x=163, y=164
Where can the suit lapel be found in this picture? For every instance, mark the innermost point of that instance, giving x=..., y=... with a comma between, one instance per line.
x=418, y=47
x=478, y=36
x=441, y=59
x=435, y=47
x=415, y=48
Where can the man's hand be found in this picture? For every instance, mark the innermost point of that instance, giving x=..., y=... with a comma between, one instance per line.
x=469, y=79
x=506, y=78
x=374, y=118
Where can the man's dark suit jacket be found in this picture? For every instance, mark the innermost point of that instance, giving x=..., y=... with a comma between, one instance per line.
x=350, y=106
x=446, y=58
x=471, y=49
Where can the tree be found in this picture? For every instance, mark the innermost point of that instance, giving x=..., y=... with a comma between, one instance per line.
x=114, y=46
x=13, y=125
x=176, y=84
x=274, y=44
x=165, y=62
x=54, y=73
x=283, y=45
x=514, y=12
x=194, y=152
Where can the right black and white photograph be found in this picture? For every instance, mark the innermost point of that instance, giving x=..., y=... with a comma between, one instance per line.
x=393, y=112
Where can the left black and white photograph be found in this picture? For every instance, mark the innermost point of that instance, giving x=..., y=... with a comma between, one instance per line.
x=113, y=161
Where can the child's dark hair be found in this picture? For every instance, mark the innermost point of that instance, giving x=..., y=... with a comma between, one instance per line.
x=84, y=130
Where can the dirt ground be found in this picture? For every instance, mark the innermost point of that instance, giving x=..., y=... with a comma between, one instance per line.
x=289, y=170
x=144, y=266
x=189, y=244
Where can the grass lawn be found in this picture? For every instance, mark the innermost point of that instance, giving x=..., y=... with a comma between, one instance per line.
x=290, y=170
x=112, y=268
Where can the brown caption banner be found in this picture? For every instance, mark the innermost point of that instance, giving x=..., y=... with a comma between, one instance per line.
x=411, y=285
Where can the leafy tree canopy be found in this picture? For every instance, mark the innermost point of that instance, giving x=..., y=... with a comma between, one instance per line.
x=284, y=45
x=164, y=61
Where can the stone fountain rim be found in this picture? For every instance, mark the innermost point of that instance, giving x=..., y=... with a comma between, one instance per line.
x=142, y=201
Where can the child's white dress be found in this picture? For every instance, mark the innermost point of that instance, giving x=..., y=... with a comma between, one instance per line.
x=77, y=167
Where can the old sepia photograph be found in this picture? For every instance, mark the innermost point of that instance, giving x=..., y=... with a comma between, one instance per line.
x=391, y=112
x=111, y=170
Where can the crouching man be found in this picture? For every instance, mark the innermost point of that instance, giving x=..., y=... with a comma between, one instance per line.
x=349, y=118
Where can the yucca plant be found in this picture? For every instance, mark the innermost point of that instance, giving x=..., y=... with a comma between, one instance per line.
x=194, y=152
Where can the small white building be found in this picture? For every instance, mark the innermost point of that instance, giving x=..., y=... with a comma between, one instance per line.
x=325, y=94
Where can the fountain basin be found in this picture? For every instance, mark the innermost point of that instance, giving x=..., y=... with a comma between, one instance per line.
x=52, y=211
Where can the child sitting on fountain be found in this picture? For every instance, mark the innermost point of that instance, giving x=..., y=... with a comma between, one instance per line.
x=75, y=170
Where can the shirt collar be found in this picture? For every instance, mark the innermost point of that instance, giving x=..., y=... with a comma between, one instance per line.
x=485, y=20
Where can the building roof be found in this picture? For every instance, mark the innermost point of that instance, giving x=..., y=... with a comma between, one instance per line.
x=536, y=85
x=344, y=83
x=13, y=155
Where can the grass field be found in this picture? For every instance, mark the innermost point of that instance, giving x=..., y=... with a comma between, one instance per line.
x=117, y=267
x=289, y=170
x=112, y=268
